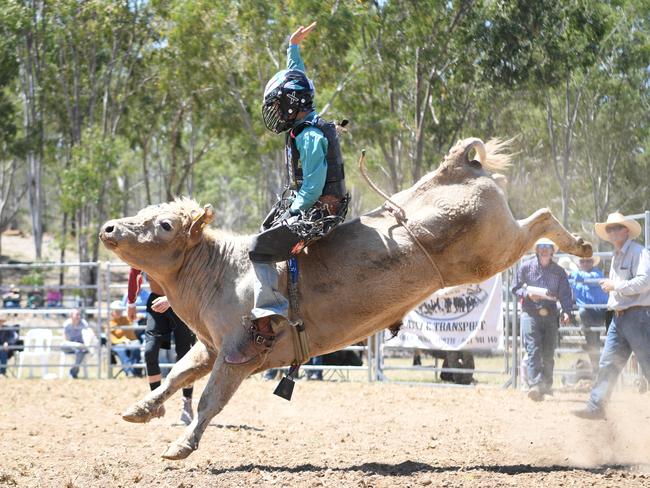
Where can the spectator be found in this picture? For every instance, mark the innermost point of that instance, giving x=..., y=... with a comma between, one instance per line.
x=161, y=323
x=35, y=299
x=11, y=299
x=587, y=292
x=315, y=374
x=540, y=284
x=628, y=286
x=124, y=341
x=74, y=341
x=271, y=374
x=53, y=298
x=141, y=300
x=8, y=338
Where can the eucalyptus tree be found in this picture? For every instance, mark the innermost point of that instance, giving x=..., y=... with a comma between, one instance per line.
x=417, y=82
x=11, y=191
x=614, y=125
x=549, y=49
x=26, y=24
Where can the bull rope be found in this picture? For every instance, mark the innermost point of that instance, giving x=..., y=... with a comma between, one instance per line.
x=400, y=216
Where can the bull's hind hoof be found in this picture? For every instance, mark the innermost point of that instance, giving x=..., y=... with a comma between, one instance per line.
x=584, y=247
x=177, y=451
x=139, y=414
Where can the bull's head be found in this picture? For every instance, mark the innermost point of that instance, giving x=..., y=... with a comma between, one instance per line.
x=157, y=237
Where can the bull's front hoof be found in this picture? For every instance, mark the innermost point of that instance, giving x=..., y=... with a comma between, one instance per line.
x=177, y=451
x=140, y=414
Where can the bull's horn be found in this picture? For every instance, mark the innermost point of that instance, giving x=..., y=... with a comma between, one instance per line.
x=476, y=143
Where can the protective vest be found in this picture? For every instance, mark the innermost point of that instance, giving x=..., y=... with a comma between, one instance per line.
x=335, y=180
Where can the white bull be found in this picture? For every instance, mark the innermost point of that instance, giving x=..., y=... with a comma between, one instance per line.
x=361, y=279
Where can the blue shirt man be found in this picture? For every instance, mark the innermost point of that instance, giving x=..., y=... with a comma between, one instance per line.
x=585, y=283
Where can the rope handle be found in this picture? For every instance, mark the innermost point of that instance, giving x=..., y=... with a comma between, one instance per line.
x=400, y=215
x=396, y=210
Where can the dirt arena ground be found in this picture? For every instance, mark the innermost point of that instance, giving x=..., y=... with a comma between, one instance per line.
x=65, y=433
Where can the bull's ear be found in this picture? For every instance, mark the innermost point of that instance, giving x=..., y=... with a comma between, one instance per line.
x=475, y=143
x=200, y=220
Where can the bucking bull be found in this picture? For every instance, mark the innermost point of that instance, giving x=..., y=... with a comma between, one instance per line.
x=360, y=279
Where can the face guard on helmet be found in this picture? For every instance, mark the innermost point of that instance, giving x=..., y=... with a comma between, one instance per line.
x=286, y=94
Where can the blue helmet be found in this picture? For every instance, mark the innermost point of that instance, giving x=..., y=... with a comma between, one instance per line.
x=286, y=94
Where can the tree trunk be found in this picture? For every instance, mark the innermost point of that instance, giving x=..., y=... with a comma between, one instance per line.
x=30, y=58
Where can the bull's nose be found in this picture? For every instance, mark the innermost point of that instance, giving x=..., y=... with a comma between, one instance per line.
x=109, y=227
x=108, y=235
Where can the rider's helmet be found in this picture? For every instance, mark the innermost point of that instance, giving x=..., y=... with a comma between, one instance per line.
x=286, y=94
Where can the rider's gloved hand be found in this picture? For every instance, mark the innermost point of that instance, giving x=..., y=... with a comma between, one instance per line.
x=288, y=213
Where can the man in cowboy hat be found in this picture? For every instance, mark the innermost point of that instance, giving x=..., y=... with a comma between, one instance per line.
x=629, y=297
x=540, y=284
x=590, y=299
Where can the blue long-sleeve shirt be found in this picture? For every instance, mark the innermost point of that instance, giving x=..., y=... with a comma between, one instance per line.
x=587, y=293
x=312, y=147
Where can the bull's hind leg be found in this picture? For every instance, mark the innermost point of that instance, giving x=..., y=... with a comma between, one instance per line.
x=543, y=224
x=222, y=384
x=194, y=365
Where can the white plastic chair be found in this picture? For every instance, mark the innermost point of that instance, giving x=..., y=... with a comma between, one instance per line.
x=38, y=345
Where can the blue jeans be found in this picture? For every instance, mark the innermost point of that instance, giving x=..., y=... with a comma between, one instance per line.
x=79, y=351
x=268, y=300
x=540, y=334
x=4, y=357
x=628, y=333
x=127, y=357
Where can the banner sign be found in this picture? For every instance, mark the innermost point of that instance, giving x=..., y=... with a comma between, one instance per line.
x=455, y=318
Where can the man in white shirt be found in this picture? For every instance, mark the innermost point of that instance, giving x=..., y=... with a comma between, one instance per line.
x=628, y=286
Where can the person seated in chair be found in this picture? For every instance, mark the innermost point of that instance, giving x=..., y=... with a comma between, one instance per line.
x=316, y=178
x=35, y=299
x=11, y=299
x=74, y=341
x=9, y=338
x=124, y=341
x=53, y=298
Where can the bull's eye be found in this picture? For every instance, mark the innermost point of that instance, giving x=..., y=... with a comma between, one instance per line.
x=166, y=225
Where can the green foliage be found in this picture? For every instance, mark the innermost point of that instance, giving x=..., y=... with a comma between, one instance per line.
x=92, y=163
x=34, y=278
x=144, y=101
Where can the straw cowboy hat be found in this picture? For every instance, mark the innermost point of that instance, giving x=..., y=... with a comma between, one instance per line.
x=620, y=219
x=568, y=264
x=545, y=240
x=116, y=305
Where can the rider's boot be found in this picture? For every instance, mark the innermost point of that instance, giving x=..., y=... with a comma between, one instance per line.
x=259, y=340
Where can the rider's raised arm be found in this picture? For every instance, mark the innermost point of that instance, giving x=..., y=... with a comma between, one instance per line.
x=294, y=61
